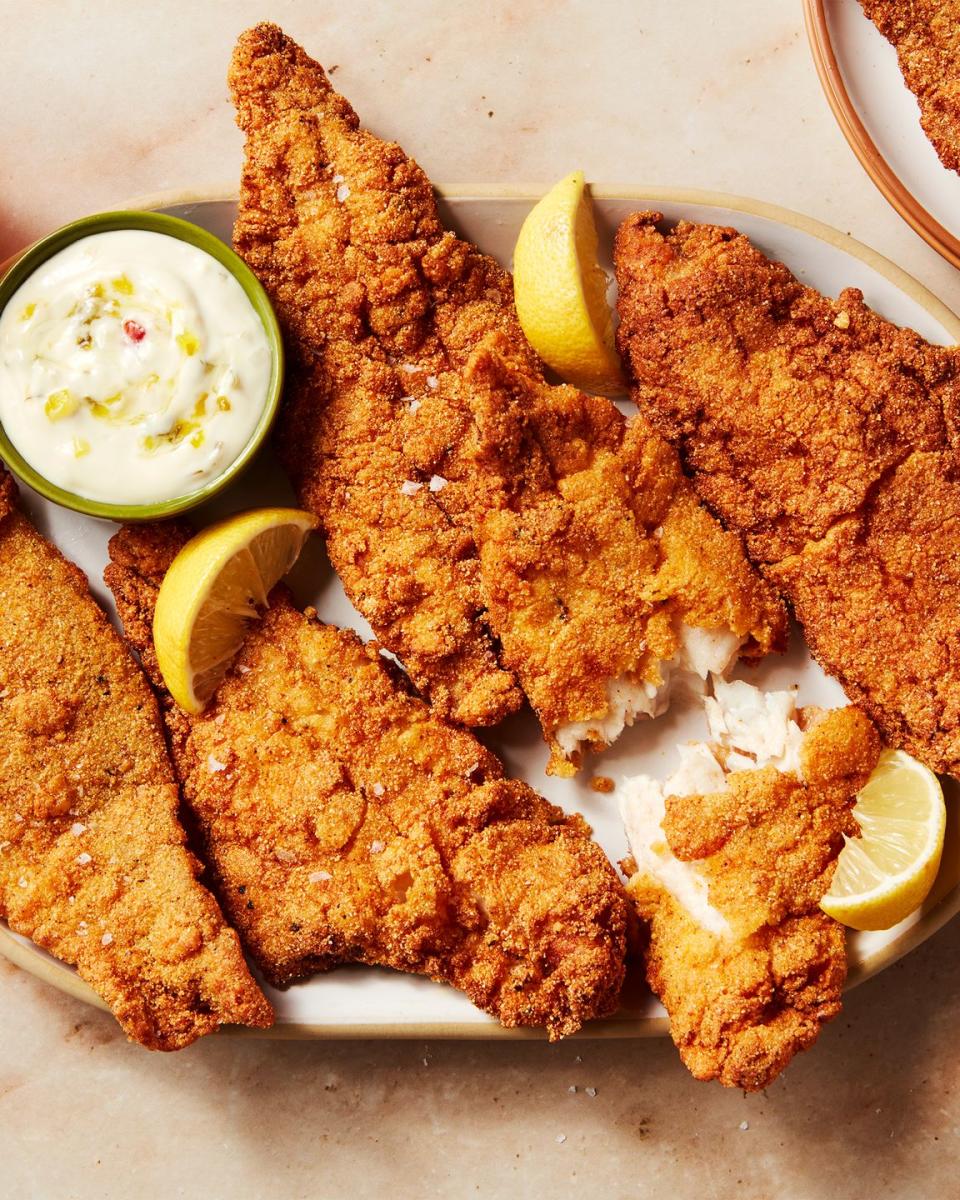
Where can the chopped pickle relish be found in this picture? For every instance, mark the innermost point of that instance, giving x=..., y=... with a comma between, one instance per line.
x=133, y=368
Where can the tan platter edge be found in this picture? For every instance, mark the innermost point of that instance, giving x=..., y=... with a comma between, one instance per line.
x=863, y=145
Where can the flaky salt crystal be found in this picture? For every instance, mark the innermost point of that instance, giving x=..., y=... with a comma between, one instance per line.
x=432, y=381
x=437, y=483
x=107, y=939
x=214, y=764
x=77, y=828
x=342, y=192
x=376, y=847
x=378, y=789
x=410, y=487
x=319, y=876
x=84, y=858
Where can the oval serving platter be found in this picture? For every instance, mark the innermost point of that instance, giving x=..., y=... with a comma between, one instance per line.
x=880, y=118
x=368, y=1002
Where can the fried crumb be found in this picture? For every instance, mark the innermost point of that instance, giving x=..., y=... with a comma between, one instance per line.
x=528, y=566
x=832, y=452
x=357, y=826
x=107, y=786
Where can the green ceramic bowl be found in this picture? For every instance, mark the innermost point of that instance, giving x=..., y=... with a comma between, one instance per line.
x=173, y=227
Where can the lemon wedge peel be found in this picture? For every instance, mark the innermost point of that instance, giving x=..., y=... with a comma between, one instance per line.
x=561, y=291
x=217, y=585
x=886, y=874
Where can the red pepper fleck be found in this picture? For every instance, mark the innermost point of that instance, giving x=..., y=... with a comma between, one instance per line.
x=134, y=330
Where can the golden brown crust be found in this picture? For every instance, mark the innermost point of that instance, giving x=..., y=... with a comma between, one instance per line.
x=93, y=862
x=826, y=437
x=344, y=822
x=741, y=1007
x=926, y=36
x=526, y=551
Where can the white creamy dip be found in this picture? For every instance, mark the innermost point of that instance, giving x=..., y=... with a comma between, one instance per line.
x=133, y=368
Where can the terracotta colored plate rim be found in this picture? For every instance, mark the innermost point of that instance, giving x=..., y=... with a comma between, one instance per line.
x=863, y=145
x=943, y=904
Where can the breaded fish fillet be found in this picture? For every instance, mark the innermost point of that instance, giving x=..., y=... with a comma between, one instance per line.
x=343, y=821
x=827, y=437
x=494, y=530
x=93, y=863
x=730, y=864
x=926, y=36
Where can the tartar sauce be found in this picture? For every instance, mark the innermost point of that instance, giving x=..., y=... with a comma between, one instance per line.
x=133, y=368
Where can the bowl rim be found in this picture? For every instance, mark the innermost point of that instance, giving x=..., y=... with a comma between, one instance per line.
x=26, y=263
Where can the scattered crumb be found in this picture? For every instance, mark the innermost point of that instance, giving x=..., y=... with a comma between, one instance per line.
x=744, y=1126
x=560, y=1138
x=842, y=320
x=591, y=1092
x=602, y=783
x=572, y=1089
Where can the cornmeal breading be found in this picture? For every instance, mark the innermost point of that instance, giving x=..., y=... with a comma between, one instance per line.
x=827, y=438
x=93, y=862
x=926, y=36
x=498, y=533
x=343, y=821
x=729, y=882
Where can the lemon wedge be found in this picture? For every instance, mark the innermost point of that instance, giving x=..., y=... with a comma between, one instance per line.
x=215, y=586
x=561, y=291
x=887, y=872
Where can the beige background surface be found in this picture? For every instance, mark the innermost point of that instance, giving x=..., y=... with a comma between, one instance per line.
x=103, y=101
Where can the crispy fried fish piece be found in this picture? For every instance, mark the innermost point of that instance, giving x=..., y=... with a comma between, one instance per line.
x=730, y=871
x=490, y=527
x=826, y=437
x=343, y=821
x=926, y=37
x=93, y=862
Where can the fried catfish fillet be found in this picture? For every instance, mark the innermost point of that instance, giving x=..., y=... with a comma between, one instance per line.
x=93, y=862
x=926, y=37
x=731, y=857
x=494, y=530
x=827, y=438
x=343, y=821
